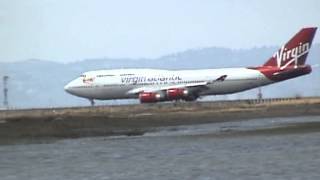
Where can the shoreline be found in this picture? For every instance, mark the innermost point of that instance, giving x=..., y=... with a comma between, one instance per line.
x=131, y=120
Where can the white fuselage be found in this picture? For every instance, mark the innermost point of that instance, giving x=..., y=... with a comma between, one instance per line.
x=120, y=83
x=153, y=85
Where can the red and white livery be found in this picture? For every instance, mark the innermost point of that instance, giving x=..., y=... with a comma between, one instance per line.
x=154, y=85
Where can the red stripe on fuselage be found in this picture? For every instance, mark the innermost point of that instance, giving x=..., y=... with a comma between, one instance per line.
x=277, y=74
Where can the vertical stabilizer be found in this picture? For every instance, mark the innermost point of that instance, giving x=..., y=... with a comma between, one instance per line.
x=295, y=51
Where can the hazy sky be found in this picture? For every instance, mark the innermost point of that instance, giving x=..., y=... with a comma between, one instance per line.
x=70, y=30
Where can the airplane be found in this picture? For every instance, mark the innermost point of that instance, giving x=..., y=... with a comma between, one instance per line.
x=156, y=85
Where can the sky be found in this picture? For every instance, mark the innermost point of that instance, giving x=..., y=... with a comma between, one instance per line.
x=72, y=30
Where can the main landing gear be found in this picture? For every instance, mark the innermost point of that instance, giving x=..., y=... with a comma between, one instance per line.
x=91, y=102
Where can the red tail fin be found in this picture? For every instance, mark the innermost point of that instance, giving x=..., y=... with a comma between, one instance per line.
x=295, y=51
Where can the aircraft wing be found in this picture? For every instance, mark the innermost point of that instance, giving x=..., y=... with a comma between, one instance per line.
x=198, y=85
x=165, y=87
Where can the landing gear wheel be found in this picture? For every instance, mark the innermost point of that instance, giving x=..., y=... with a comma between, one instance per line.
x=91, y=102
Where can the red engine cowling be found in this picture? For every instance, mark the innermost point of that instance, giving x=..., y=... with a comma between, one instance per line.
x=149, y=97
x=176, y=93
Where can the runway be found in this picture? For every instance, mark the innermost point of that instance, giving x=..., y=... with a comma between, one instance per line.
x=135, y=120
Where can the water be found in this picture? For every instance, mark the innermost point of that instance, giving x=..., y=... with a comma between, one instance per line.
x=278, y=148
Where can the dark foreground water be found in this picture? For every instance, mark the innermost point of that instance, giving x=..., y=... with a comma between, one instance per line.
x=278, y=148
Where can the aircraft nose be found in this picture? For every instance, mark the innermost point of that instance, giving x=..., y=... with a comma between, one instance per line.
x=73, y=87
x=68, y=87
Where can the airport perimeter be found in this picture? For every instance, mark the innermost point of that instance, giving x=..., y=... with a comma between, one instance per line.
x=74, y=122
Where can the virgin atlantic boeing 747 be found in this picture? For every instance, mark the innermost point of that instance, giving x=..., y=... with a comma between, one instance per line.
x=154, y=85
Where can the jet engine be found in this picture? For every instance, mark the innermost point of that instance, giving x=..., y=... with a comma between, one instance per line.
x=176, y=93
x=149, y=97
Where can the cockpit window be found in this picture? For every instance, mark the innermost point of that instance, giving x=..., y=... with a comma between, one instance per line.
x=82, y=75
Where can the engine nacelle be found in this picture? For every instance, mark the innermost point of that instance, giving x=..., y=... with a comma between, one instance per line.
x=176, y=93
x=149, y=97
